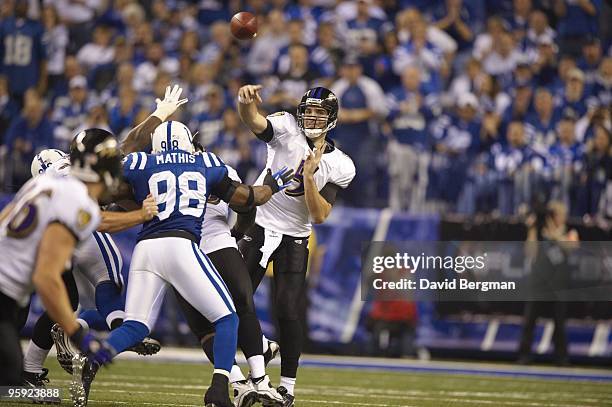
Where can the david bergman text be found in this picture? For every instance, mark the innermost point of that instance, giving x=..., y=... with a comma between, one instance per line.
x=425, y=284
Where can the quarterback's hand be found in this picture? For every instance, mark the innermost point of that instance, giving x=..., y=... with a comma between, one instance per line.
x=248, y=93
x=149, y=208
x=280, y=180
x=312, y=161
x=165, y=108
x=94, y=348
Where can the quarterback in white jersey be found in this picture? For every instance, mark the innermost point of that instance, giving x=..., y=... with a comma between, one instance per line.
x=283, y=224
x=39, y=230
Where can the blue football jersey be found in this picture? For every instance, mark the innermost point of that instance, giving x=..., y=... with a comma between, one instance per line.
x=180, y=182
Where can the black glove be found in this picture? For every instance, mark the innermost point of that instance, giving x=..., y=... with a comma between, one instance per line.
x=279, y=180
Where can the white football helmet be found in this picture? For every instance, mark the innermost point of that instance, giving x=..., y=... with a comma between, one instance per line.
x=50, y=159
x=172, y=135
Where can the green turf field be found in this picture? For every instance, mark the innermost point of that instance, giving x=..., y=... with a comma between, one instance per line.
x=135, y=383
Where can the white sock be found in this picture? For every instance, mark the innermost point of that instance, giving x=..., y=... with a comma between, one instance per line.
x=288, y=383
x=257, y=366
x=236, y=374
x=117, y=314
x=34, y=358
x=265, y=343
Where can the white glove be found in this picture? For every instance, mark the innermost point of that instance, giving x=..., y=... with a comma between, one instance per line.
x=165, y=108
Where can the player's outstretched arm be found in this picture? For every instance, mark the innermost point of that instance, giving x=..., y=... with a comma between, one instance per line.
x=237, y=194
x=54, y=251
x=248, y=96
x=113, y=222
x=139, y=138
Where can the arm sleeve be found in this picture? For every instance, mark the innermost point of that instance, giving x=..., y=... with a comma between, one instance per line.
x=76, y=211
x=279, y=126
x=329, y=192
x=344, y=172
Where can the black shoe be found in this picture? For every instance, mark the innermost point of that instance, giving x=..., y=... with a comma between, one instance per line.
x=83, y=373
x=273, y=349
x=30, y=379
x=148, y=346
x=288, y=399
x=217, y=395
x=39, y=380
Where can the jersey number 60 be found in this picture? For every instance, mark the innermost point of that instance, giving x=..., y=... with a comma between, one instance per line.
x=192, y=193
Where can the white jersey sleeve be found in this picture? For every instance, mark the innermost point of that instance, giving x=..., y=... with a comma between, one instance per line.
x=284, y=126
x=77, y=212
x=344, y=172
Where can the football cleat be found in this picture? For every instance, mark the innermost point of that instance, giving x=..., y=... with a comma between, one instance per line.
x=267, y=394
x=216, y=396
x=30, y=379
x=272, y=352
x=64, y=348
x=38, y=380
x=83, y=373
x=288, y=399
x=148, y=346
x=245, y=394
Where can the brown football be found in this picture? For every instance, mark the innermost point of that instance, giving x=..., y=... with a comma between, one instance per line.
x=244, y=25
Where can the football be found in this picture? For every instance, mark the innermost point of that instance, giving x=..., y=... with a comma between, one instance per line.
x=244, y=25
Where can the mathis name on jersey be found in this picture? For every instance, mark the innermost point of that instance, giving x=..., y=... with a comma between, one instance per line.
x=175, y=158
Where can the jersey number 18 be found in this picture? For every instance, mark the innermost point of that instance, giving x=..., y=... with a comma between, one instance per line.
x=191, y=196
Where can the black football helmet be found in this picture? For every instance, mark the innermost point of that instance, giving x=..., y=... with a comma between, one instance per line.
x=318, y=97
x=95, y=157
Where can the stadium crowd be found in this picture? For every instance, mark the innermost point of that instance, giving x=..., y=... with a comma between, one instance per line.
x=469, y=106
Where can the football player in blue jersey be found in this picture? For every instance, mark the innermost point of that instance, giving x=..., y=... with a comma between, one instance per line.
x=167, y=252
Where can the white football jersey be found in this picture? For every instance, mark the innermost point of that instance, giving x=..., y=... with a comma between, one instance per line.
x=287, y=212
x=41, y=201
x=216, y=233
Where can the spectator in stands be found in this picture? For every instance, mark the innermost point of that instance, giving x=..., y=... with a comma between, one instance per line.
x=79, y=16
x=310, y=14
x=99, y=51
x=467, y=81
x=362, y=104
x=458, y=21
x=577, y=20
x=564, y=159
x=189, y=46
x=56, y=41
x=221, y=53
x=456, y=142
x=8, y=108
x=266, y=47
x=411, y=110
x=597, y=164
x=295, y=81
x=23, y=56
x=419, y=51
x=484, y=42
x=519, y=19
x=574, y=98
x=540, y=125
x=124, y=77
x=592, y=56
x=538, y=29
x=327, y=54
x=544, y=63
x=565, y=65
x=502, y=59
x=228, y=141
x=520, y=107
x=518, y=170
x=71, y=111
x=156, y=62
x=602, y=88
x=405, y=22
x=384, y=73
x=364, y=36
x=28, y=133
x=122, y=115
x=209, y=123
